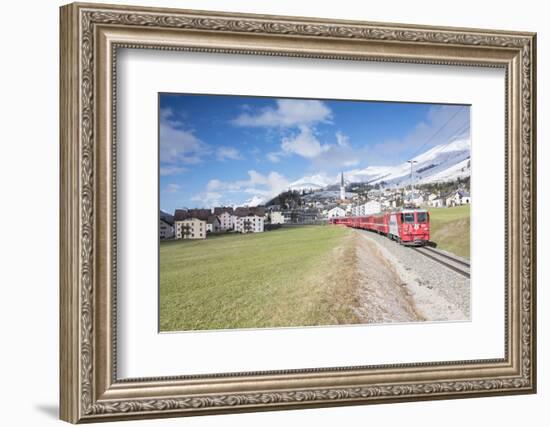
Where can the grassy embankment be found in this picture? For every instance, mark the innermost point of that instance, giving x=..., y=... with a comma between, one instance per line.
x=288, y=277
x=450, y=229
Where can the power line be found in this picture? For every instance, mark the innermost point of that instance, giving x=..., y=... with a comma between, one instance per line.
x=437, y=132
x=457, y=133
x=453, y=138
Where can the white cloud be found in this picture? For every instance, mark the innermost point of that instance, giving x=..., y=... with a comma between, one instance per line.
x=217, y=185
x=166, y=113
x=305, y=144
x=288, y=113
x=342, y=140
x=225, y=153
x=171, y=170
x=274, y=157
x=258, y=185
x=208, y=199
x=322, y=155
x=173, y=188
x=178, y=144
x=299, y=118
x=339, y=155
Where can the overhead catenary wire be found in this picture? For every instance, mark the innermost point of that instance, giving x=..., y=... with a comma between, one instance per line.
x=437, y=132
x=459, y=131
x=453, y=137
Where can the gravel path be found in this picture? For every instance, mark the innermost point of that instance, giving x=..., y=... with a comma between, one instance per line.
x=438, y=294
x=383, y=297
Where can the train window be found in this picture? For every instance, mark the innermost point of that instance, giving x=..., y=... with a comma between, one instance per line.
x=408, y=217
x=422, y=217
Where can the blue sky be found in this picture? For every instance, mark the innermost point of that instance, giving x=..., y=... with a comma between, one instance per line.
x=234, y=150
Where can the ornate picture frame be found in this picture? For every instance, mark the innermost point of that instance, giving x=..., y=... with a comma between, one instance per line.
x=90, y=37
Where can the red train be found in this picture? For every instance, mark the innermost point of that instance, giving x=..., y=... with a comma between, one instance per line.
x=408, y=226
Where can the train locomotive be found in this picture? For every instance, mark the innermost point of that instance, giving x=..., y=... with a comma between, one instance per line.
x=407, y=226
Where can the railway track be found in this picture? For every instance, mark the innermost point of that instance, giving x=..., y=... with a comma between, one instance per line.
x=458, y=265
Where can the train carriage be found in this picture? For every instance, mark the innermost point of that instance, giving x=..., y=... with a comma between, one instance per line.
x=407, y=226
x=410, y=226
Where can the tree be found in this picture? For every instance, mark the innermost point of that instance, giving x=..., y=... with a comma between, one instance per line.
x=287, y=199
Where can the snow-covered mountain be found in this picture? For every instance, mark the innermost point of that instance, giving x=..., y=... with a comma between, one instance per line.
x=253, y=202
x=313, y=182
x=445, y=162
x=441, y=163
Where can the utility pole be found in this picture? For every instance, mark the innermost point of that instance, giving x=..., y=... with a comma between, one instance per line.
x=412, y=162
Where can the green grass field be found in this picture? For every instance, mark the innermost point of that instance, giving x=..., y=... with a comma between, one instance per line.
x=450, y=229
x=272, y=279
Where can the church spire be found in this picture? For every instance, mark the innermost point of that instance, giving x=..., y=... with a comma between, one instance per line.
x=342, y=188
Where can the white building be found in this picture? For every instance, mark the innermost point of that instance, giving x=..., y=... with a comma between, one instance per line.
x=437, y=203
x=336, y=212
x=458, y=198
x=227, y=221
x=166, y=230
x=213, y=224
x=277, y=218
x=191, y=228
x=414, y=199
x=371, y=208
x=249, y=224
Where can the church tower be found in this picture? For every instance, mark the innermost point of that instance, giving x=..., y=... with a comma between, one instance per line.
x=342, y=188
